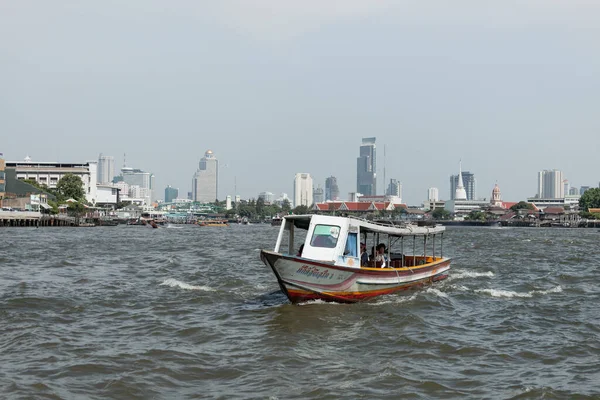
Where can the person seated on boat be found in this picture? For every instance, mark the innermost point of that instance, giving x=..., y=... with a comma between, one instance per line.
x=381, y=257
x=300, y=250
x=364, y=257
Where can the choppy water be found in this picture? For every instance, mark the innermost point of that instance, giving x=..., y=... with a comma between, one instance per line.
x=130, y=312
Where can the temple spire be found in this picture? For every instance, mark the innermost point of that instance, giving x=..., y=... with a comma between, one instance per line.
x=461, y=193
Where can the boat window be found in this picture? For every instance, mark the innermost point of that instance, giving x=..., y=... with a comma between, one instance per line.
x=325, y=236
x=351, y=245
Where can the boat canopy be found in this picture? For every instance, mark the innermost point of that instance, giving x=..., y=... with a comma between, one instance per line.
x=388, y=228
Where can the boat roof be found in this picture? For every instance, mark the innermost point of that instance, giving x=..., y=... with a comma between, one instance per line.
x=392, y=228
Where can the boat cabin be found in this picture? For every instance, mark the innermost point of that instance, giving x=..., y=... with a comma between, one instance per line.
x=337, y=240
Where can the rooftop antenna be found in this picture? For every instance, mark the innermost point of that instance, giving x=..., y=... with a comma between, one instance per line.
x=124, y=160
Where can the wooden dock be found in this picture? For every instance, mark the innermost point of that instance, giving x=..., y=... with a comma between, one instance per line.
x=33, y=218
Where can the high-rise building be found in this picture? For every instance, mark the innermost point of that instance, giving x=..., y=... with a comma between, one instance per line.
x=366, y=168
x=394, y=188
x=573, y=191
x=583, y=189
x=303, y=190
x=206, y=179
x=469, y=185
x=318, y=195
x=143, y=180
x=228, y=205
x=2, y=178
x=551, y=184
x=106, y=169
x=433, y=194
x=171, y=194
x=332, y=191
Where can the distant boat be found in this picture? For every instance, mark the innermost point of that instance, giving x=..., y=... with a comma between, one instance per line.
x=213, y=223
x=276, y=220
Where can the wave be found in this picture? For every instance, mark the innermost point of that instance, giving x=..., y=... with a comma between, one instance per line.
x=182, y=285
x=470, y=274
x=510, y=294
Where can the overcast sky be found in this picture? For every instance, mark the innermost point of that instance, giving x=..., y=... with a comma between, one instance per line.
x=278, y=87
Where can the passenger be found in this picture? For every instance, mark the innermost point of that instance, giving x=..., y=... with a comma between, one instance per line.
x=364, y=257
x=300, y=250
x=381, y=256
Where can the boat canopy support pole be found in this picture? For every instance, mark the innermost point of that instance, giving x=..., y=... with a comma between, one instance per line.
x=402, y=251
x=433, y=247
x=442, y=245
x=414, y=251
x=291, y=241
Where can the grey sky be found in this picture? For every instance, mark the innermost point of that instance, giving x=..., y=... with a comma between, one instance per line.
x=275, y=88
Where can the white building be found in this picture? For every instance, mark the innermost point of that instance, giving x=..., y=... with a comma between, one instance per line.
x=106, y=169
x=228, y=205
x=303, y=190
x=496, y=197
x=550, y=184
x=143, y=180
x=107, y=194
x=267, y=197
x=433, y=194
x=460, y=206
x=49, y=173
x=206, y=179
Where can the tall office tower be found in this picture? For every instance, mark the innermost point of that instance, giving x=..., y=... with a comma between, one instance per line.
x=171, y=194
x=303, y=190
x=433, y=194
x=145, y=180
x=318, y=195
x=106, y=169
x=366, y=168
x=394, y=188
x=573, y=191
x=583, y=189
x=206, y=179
x=228, y=205
x=332, y=191
x=550, y=184
x=469, y=185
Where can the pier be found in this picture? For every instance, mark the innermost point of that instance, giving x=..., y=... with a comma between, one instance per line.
x=34, y=218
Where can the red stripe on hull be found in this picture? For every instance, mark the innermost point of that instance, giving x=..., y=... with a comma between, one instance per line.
x=299, y=296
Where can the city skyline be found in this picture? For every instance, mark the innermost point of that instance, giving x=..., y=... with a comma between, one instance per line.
x=273, y=99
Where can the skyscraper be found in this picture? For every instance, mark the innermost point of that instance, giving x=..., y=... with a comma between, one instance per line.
x=318, y=195
x=366, y=168
x=550, y=184
x=469, y=185
x=332, y=191
x=394, y=188
x=136, y=178
x=303, y=190
x=171, y=193
x=106, y=169
x=206, y=179
x=433, y=194
x=2, y=178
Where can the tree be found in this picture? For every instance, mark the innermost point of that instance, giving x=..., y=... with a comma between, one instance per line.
x=522, y=205
x=286, y=206
x=260, y=207
x=440, y=213
x=301, y=210
x=70, y=186
x=590, y=199
x=476, y=215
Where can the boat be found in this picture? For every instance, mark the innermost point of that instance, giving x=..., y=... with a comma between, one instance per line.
x=213, y=223
x=276, y=220
x=328, y=265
